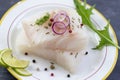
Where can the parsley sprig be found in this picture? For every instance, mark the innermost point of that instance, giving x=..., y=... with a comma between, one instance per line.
x=43, y=19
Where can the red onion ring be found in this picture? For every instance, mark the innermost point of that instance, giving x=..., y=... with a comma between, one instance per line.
x=62, y=17
x=67, y=21
x=59, y=28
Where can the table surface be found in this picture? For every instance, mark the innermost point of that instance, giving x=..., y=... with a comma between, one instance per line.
x=109, y=8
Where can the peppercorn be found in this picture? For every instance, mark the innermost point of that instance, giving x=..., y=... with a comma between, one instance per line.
x=34, y=61
x=26, y=53
x=51, y=19
x=45, y=69
x=52, y=74
x=81, y=25
x=70, y=31
x=86, y=53
x=68, y=75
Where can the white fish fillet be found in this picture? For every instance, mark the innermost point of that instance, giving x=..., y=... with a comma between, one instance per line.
x=42, y=42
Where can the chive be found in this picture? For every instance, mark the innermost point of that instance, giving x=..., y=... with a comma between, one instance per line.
x=31, y=24
x=46, y=27
x=72, y=26
x=72, y=21
x=71, y=53
x=53, y=34
x=73, y=18
x=78, y=20
x=51, y=62
x=47, y=33
x=76, y=55
x=77, y=26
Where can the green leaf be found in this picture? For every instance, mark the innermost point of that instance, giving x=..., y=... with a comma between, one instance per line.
x=85, y=14
x=104, y=41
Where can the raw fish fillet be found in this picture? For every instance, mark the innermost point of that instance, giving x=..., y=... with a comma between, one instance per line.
x=43, y=42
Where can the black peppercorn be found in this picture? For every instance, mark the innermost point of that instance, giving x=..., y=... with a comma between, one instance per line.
x=86, y=53
x=81, y=25
x=26, y=53
x=68, y=75
x=34, y=61
x=45, y=69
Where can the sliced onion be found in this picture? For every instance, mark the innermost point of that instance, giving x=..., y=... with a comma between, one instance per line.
x=67, y=21
x=62, y=17
x=59, y=28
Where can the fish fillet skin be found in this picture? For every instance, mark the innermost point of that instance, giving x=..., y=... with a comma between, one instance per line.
x=57, y=48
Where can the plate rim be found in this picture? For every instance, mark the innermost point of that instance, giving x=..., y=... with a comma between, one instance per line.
x=98, y=12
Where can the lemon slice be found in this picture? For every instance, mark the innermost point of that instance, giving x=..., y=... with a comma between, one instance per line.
x=17, y=76
x=12, y=61
x=1, y=63
x=1, y=53
x=22, y=72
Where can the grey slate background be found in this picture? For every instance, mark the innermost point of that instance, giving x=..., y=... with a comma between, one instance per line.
x=109, y=8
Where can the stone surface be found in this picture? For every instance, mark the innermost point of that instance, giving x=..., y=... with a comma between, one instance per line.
x=109, y=8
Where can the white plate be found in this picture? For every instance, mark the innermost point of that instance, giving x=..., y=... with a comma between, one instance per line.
x=96, y=65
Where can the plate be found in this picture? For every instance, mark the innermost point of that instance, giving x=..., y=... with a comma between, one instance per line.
x=97, y=65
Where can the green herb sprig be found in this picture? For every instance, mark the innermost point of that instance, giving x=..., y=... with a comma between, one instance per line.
x=43, y=19
x=85, y=14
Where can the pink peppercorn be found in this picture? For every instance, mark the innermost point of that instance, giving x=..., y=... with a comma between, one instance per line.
x=70, y=31
x=51, y=19
x=52, y=74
